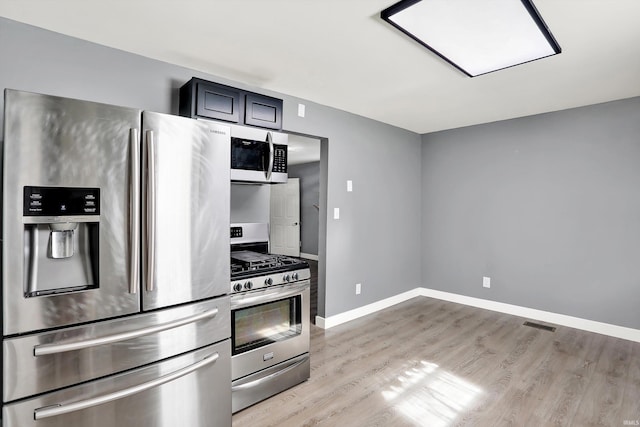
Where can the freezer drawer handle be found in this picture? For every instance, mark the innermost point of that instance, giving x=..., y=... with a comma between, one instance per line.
x=65, y=408
x=46, y=349
x=269, y=377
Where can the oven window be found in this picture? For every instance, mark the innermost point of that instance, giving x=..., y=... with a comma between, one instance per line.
x=264, y=324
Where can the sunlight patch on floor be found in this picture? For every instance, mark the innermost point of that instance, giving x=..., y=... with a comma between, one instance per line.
x=428, y=395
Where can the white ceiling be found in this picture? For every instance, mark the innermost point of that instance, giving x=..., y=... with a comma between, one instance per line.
x=341, y=54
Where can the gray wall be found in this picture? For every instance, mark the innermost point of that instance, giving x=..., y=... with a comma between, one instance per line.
x=548, y=206
x=374, y=242
x=309, y=174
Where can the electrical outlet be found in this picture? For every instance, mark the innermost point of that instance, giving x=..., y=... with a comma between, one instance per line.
x=486, y=282
x=358, y=288
x=349, y=185
x=301, y=110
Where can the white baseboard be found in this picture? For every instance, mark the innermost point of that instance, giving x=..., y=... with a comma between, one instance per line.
x=309, y=256
x=530, y=313
x=330, y=322
x=320, y=323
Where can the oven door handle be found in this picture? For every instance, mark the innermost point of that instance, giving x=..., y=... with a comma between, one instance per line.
x=240, y=301
x=269, y=377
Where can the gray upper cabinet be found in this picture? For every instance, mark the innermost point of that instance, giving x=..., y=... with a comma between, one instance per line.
x=263, y=111
x=204, y=99
x=217, y=102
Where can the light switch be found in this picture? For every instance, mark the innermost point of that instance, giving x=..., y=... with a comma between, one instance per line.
x=336, y=213
x=301, y=109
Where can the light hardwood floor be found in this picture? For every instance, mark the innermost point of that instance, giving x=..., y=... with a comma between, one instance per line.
x=433, y=363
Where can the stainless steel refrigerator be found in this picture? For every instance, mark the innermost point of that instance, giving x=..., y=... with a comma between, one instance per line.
x=115, y=266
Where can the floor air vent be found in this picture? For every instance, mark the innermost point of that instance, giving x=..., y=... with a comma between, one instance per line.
x=540, y=326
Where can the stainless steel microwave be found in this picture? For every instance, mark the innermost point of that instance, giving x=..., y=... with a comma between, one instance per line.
x=258, y=155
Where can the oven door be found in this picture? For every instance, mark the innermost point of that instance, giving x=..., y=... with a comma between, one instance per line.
x=268, y=327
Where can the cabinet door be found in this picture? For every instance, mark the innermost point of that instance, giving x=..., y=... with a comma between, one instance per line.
x=263, y=111
x=218, y=102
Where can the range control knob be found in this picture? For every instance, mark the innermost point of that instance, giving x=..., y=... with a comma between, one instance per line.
x=237, y=287
x=286, y=278
x=268, y=281
x=248, y=285
x=294, y=276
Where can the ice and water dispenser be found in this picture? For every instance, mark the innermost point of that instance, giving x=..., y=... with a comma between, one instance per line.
x=61, y=232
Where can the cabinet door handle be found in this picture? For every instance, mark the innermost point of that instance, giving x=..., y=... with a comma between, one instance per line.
x=65, y=408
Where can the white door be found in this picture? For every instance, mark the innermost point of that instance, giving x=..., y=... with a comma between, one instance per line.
x=285, y=218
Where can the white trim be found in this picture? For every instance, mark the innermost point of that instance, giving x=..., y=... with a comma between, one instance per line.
x=320, y=322
x=338, y=319
x=530, y=313
x=309, y=256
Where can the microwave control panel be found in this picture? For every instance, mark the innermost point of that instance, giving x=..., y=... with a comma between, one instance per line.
x=280, y=158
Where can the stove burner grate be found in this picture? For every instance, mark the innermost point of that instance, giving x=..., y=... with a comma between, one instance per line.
x=242, y=261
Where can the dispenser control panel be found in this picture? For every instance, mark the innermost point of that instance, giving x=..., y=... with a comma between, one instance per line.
x=61, y=201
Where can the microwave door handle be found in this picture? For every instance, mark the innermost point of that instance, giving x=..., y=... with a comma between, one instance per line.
x=66, y=408
x=271, y=155
x=134, y=212
x=151, y=211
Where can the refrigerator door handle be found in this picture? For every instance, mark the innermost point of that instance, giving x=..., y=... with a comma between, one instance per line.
x=134, y=212
x=271, y=155
x=65, y=408
x=151, y=211
x=47, y=349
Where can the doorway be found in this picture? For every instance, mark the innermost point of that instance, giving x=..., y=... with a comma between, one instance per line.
x=284, y=218
x=307, y=162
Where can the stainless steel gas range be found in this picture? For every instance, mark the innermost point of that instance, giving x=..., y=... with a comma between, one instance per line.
x=269, y=318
